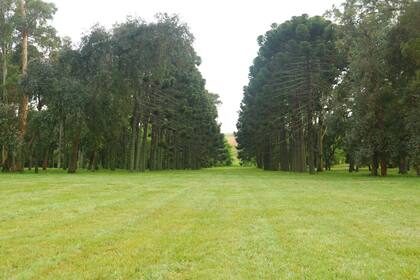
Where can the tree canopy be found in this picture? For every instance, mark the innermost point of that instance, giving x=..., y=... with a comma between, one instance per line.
x=346, y=82
x=131, y=97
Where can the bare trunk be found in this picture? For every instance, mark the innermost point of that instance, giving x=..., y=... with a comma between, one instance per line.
x=45, y=161
x=24, y=104
x=384, y=168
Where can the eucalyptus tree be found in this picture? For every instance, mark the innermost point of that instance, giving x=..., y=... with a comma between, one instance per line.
x=40, y=84
x=32, y=17
x=403, y=70
x=366, y=26
x=131, y=97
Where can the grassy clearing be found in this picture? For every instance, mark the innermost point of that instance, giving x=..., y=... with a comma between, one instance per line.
x=231, y=223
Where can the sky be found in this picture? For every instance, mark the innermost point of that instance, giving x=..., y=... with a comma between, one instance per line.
x=225, y=33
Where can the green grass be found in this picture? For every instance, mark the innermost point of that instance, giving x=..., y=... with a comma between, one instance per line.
x=226, y=223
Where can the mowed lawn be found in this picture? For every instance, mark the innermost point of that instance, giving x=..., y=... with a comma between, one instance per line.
x=225, y=223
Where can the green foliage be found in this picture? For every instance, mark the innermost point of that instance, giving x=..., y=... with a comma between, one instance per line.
x=376, y=34
x=283, y=106
x=133, y=91
x=225, y=157
x=317, y=88
x=8, y=125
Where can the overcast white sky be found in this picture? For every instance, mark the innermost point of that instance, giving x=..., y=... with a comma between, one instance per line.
x=225, y=32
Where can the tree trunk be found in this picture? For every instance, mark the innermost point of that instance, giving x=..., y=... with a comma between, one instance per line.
x=80, y=160
x=320, y=153
x=143, y=155
x=375, y=165
x=310, y=112
x=284, y=153
x=94, y=166
x=134, y=135
x=74, y=151
x=92, y=160
x=384, y=167
x=266, y=157
x=45, y=161
x=259, y=158
x=302, y=151
x=138, y=148
x=402, y=166
x=36, y=163
x=159, y=150
x=351, y=165
x=60, y=140
x=311, y=158
x=113, y=155
x=153, y=147
x=5, y=159
x=24, y=104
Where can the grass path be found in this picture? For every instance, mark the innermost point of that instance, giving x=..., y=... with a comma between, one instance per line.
x=226, y=223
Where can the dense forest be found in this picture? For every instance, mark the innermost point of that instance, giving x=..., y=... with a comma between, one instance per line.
x=348, y=81
x=127, y=98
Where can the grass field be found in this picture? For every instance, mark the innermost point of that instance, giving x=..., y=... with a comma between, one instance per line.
x=226, y=223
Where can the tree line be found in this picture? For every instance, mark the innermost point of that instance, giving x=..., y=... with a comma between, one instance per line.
x=129, y=98
x=348, y=81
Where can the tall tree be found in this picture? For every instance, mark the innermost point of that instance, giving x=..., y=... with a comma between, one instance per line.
x=280, y=123
x=33, y=16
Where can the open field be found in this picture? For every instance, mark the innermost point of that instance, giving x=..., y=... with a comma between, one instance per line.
x=226, y=223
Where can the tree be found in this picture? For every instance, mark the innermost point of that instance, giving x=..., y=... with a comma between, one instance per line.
x=403, y=64
x=281, y=119
x=366, y=27
x=32, y=17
